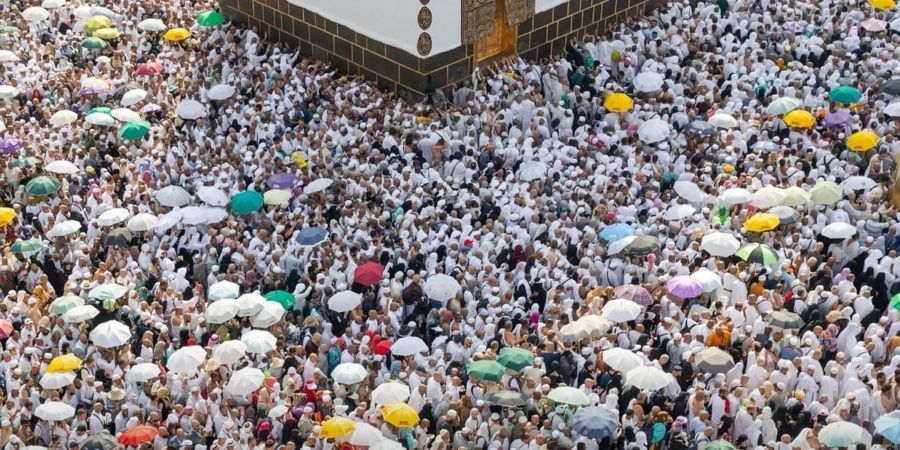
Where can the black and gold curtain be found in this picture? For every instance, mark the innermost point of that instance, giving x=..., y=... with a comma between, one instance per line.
x=518, y=10
x=477, y=19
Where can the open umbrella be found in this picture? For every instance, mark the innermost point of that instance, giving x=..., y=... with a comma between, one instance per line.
x=708, y=279
x=337, y=427
x=785, y=320
x=653, y=131
x=621, y=310
x=679, y=212
x=647, y=377
x=844, y=95
x=689, y=191
x=7, y=215
x=595, y=422
x=210, y=19
x=176, y=35
x=245, y=381
x=515, y=358
x=57, y=380
x=441, y=287
x=783, y=105
x=259, y=341
x=107, y=34
x=767, y=197
x=573, y=332
x=700, y=128
x=152, y=25
x=62, y=118
x=842, y=434
x=221, y=311
x=761, y=222
x=190, y=110
x=113, y=216
x=486, y=370
x=618, y=102
x=93, y=43
x=838, y=230
x=133, y=97
x=134, y=130
x=100, y=119
x=408, y=345
x=108, y=291
x=642, y=245
x=142, y=372
x=277, y=197
x=757, y=253
x=874, y=25
x=80, y=314
x=785, y=214
x=799, y=118
x=344, y=301
x=269, y=314
x=795, y=196
x=368, y=273
x=365, y=435
x=635, y=293
x=64, y=363
x=220, y=92
x=893, y=110
x=647, y=82
x=311, y=236
x=27, y=246
x=723, y=120
x=186, y=360
x=826, y=193
x=621, y=359
x=138, y=435
x=35, y=14
x=65, y=303
x=532, y=170
x=684, y=287
x=251, y=303
x=142, y=222
x=102, y=441
x=283, y=298
x=223, y=289
x=119, y=237
x=507, y=399
x=6, y=327
x=720, y=444
x=719, y=244
x=229, y=352
x=390, y=392
x=282, y=180
x=616, y=232
x=54, y=411
x=569, y=396
x=888, y=426
x=349, y=373
x=863, y=141
x=246, y=202
x=735, y=196
x=173, y=196
x=317, y=185
x=857, y=183
x=212, y=196
x=8, y=92
x=714, y=360
x=839, y=118
x=42, y=186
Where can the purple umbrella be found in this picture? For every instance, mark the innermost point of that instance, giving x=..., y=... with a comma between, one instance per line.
x=684, y=287
x=635, y=293
x=87, y=92
x=283, y=180
x=838, y=118
x=150, y=107
x=10, y=145
x=795, y=27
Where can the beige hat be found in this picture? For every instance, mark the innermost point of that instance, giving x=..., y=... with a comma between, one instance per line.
x=116, y=394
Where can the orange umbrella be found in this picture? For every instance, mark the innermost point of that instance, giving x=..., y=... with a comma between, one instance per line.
x=138, y=435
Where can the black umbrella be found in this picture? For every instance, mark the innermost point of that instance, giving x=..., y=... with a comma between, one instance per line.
x=700, y=128
x=642, y=245
x=102, y=441
x=714, y=360
x=785, y=320
x=509, y=399
x=120, y=237
x=891, y=87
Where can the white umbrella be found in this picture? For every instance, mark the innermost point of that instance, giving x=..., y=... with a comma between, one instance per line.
x=648, y=82
x=7, y=92
x=113, y=216
x=365, y=435
x=708, y=279
x=838, y=230
x=142, y=372
x=569, y=396
x=57, y=380
x=842, y=434
x=54, y=411
x=621, y=310
x=344, y=301
x=168, y=220
x=317, y=185
x=35, y=14
x=647, y=377
x=619, y=245
x=893, y=109
x=259, y=341
x=143, y=222
x=245, y=381
x=251, y=303
x=185, y=360
x=102, y=11
x=80, y=314
x=277, y=411
x=795, y=196
x=220, y=92
x=349, y=373
x=61, y=167
x=532, y=170
x=689, y=191
x=223, y=289
x=408, y=345
x=622, y=360
x=196, y=215
x=723, y=120
x=596, y=325
x=441, y=287
x=125, y=115
x=190, y=110
x=108, y=291
x=64, y=228
x=7, y=56
x=212, y=196
x=94, y=83
x=221, y=311
x=679, y=212
x=100, y=119
x=767, y=197
x=857, y=182
x=133, y=97
x=172, y=196
x=653, y=131
x=573, y=332
x=110, y=334
x=390, y=392
x=269, y=314
x=62, y=118
x=387, y=444
x=230, y=352
x=720, y=244
x=53, y=4
x=735, y=196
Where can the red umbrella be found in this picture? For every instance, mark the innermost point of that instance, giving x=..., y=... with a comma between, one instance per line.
x=368, y=273
x=138, y=435
x=382, y=347
x=6, y=328
x=148, y=69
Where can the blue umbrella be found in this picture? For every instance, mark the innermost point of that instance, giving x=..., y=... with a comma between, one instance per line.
x=615, y=232
x=595, y=422
x=889, y=427
x=311, y=236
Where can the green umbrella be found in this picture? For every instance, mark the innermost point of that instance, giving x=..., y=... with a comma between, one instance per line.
x=93, y=43
x=515, y=358
x=285, y=299
x=210, y=19
x=29, y=246
x=43, y=185
x=757, y=253
x=63, y=304
x=26, y=161
x=895, y=301
x=100, y=109
x=845, y=95
x=134, y=130
x=720, y=445
x=486, y=369
x=6, y=29
x=246, y=202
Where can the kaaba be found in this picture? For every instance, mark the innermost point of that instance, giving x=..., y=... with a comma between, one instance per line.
x=412, y=46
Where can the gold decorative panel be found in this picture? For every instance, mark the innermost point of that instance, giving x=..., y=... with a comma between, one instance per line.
x=424, y=44
x=518, y=10
x=477, y=19
x=424, y=18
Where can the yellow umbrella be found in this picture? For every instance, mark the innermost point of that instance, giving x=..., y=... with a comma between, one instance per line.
x=107, y=33
x=337, y=427
x=618, y=102
x=399, y=414
x=760, y=222
x=277, y=196
x=64, y=363
x=7, y=215
x=883, y=5
x=800, y=118
x=177, y=34
x=795, y=196
x=862, y=141
x=95, y=23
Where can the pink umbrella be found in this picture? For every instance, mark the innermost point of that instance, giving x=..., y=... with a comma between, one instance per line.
x=874, y=25
x=684, y=287
x=635, y=293
x=151, y=107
